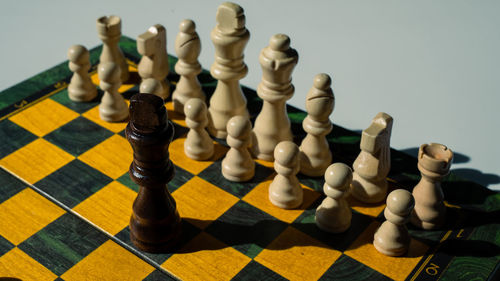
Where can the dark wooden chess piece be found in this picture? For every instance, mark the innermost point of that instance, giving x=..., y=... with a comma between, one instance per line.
x=155, y=224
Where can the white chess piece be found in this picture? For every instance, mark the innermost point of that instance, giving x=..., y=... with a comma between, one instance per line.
x=80, y=88
x=373, y=163
x=187, y=48
x=229, y=38
x=151, y=86
x=272, y=124
x=112, y=107
x=198, y=144
x=152, y=45
x=238, y=164
x=434, y=162
x=315, y=153
x=285, y=190
x=334, y=214
x=392, y=238
x=109, y=30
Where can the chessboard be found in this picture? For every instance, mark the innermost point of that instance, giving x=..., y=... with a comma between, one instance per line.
x=66, y=200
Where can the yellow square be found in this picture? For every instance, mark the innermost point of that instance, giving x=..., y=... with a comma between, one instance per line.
x=175, y=116
x=36, y=160
x=180, y=159
x=44, y=117
x=259, y=197
x=24, y=214
x=369, y=209
x=125, y=86
x=115, y=127
x=297, y=256
x=112, y=156
x=202, y=202
x=265, y=163
x=20, y=266
x=109, y=262
x=206, y=258
x=110, y=208
x=397, y=268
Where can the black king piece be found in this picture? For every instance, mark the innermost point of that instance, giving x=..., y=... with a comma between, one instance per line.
x=155, y=225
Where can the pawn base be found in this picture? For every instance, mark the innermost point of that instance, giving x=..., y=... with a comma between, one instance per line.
x=219, y=134
x=82, y=96
x=264, y=156
x=200, y=156
x=391, y=252
x=339, y=228
x=113, y=116
x=436, y=224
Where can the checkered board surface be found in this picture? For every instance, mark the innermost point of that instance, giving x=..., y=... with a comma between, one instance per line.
x=66, y=198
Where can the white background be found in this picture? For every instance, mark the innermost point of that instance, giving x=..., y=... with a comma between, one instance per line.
x=432, y=65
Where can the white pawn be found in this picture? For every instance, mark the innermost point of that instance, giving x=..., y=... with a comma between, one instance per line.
x=285, y=190
x=334, y=214
x=187, y=48
x=238, y=165
x=392, y=237
x=151, y=86
x=109, y=30
x=198, y=145
x=113, y=107
x=80, y=87
x=152, y=45
x=315, y=152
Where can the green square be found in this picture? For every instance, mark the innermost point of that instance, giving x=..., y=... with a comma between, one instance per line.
x=80, y=107
x=9, y=185
x=5, y=246
x=73, y=183
x=63, y=243
x=179, y=131
x=347, y=268
x=78, y=136
x=256, y=271
x=158, y=276
x=246, y=228
x=315, y=183
x=13, y=137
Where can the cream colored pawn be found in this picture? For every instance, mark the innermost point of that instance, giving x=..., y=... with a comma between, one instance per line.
x=187, y=48
x=152, y=45
x=315, y=152
x=272, y=124
x=109, y=30
x=80, y=87
x=372, y=165
x=334, y=214
x=198, y=145
x=434, y=162
x=392, y=237
x=151, y=86
x=285, y=190
x=229, y=38
x=113, y=107
x=238, y=165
